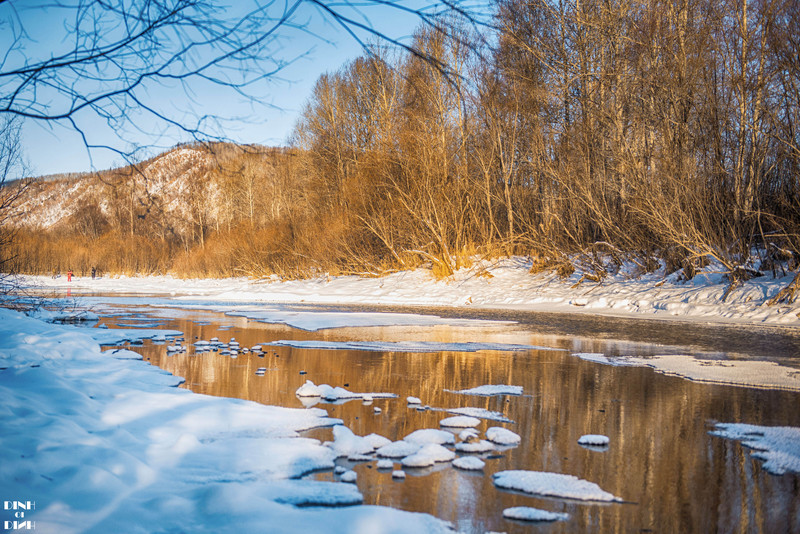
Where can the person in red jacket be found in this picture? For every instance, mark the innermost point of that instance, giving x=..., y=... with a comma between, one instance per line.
x=69, y=275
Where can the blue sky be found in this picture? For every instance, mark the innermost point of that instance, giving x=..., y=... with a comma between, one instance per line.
x=316, y=45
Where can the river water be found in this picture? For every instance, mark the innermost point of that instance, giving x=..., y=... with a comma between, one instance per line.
x=672, y=474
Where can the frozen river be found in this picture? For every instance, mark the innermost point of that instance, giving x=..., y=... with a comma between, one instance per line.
x=671, y=473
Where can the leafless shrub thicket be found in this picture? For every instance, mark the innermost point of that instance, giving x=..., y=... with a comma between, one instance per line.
x=582, y=133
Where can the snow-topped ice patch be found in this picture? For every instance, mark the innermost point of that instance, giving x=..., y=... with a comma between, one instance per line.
x=777, y=446
x=398, y=449
x=460, y=421
x=424, y=436
x=480, y=413
x=595, y=440
x=475, y=446
x=746, y=373
x=469, y=463
x=526, y=513
x=502, y=436
x=428, y=455
x=407, y=346
x=330, y=393
x=552, y=485
x=490, y=390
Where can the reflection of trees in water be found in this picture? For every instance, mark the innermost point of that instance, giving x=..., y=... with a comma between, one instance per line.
x=660, y=457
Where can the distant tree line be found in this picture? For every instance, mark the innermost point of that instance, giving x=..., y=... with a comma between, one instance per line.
x=583, y=133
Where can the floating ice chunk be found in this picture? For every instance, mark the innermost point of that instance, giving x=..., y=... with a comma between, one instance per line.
x=328, y=393
x=595, y=440
x=349, y=476
x=552, y=485
x=376, y=410
x=405, y=346
x=469, y=463
x=428, y=455
x=313, y=493
x=398, y=474
x=502, y=436
x=123, y=354
x=468, y=434
x=366, y=398
x=398, y=449
x=460, y=421
x=413, y=400
x=376, y=441
x=480, y=413
x=346, y=443
x=475, y=446
x=490, y=390
x=526, y=513
x=778, y=446
x=424, y=436
x=385, y=464
x=339, y=469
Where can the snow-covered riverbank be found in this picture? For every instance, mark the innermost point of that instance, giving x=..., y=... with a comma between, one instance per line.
x=106, y=443
x=504, y=284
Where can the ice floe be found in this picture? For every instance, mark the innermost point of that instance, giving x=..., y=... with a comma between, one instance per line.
x=490, y=390
x=428, y=455
x=407, y=346
x=330, y=393
x=552, y=485
x=777, y=446
x=460, y=421
x=526, y=513
x=480, y=413
x=502, y=436
x=430, y=435
x=469, y=463
x=746, y=373
x=475, y=446
x=595, y=440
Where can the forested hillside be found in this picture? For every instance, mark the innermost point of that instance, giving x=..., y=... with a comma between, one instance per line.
x=582, y=133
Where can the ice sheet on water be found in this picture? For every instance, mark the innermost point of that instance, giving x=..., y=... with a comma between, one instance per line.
x=398, y=449
x=475, y=446
x=480, y=413
x=552, y=485
x=460, y=421
x=469, y=463
x=502, y=436
x=777, y=446
x=490, y=390
x=408, y=346
x=746, y=373
x=428, y=455
x=330, y=393
x=595, y=440
x=526, y=513
x=424, y=436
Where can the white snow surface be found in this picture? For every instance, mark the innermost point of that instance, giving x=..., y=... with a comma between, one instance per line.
x=409, y=346
x=475, y=446
x=480, y=413
x=460, y=421
x=510, y=285
x=490, y=390
x=424, y=436
x=502, y=436
x=526, y=513
x=777, y=446
x=330, y=393
x=596, y=440
x=469, y=463
x=744, y=373
x=428, y=455
x=102, y=444
x=552, y=485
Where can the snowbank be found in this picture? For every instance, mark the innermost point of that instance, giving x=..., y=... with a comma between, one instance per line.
x=504, y=284
x=103, y=443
